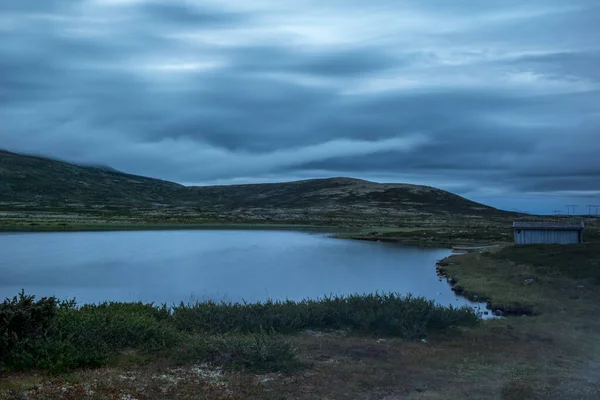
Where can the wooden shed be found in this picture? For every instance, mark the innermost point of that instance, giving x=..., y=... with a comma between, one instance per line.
x=548, y=233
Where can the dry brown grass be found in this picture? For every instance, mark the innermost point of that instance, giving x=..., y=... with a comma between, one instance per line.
x=516, y=358
x=353, y=369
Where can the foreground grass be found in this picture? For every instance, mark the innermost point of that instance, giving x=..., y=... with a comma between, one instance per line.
x=53, y=335
x=558, y=287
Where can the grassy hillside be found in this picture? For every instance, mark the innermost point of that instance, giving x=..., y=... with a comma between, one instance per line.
x=343, y=195
x=42, y=184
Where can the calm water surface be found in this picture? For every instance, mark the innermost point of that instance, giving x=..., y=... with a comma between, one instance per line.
x=173, y=266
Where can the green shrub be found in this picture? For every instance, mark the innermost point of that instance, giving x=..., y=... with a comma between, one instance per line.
x=58, y=336
x=260, y=352
x=23, y=322
x=63, y=336
x=119, y=325
x=386, y=314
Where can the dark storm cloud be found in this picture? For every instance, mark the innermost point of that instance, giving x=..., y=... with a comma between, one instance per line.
x=330, y=63
x=28, y=6
x=161, y=12
x=582, y=64
x=476, y=97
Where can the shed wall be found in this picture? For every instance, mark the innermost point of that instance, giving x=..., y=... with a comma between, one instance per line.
x=532, y=236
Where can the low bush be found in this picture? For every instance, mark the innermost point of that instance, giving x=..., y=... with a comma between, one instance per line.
x=260, y=352
x=51, y=335
x=23, y=322
x=59, y=335
x=383, y=314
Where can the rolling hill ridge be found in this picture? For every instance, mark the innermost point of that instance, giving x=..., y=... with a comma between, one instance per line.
x=38, y=183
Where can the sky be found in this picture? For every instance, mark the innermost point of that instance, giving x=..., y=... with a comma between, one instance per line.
x=498, y=101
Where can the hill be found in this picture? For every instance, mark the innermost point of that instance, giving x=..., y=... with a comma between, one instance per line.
x=33, y=181
x=345, y=195
x=37, y=183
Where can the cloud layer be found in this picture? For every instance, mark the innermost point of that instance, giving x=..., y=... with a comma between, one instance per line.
x=494, y=100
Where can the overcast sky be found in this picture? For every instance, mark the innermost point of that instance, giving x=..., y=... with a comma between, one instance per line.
x=498, y=101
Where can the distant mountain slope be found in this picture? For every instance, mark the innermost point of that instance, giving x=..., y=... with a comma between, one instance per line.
x=46, y=182
x=34, y=182
x=343, y=195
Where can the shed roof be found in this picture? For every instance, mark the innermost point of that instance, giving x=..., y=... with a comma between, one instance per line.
x=558, y=226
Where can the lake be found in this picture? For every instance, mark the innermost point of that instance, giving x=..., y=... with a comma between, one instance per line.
x=197, y=265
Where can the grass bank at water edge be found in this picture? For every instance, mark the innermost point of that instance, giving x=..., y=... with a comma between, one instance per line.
x=53, y=335
x=523, y=280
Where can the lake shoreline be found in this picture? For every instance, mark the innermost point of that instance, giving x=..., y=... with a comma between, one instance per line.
x=511, y=357
x=418, y=230
x=58, y=336
x=35, y=228
x=435, y=240
x=224, y=264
